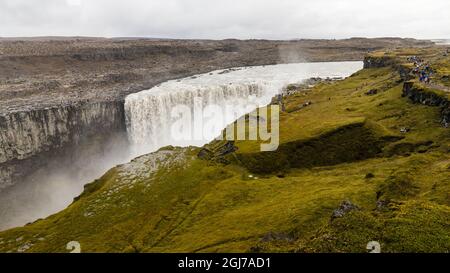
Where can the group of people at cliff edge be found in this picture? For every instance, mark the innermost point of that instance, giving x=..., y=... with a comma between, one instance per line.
x=421, y=69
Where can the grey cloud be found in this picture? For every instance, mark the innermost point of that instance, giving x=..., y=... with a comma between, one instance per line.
x=271, y=19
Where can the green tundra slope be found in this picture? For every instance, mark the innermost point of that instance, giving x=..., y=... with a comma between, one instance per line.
x=367, y=160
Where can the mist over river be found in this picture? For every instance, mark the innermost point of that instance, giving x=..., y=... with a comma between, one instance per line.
x=148, y=118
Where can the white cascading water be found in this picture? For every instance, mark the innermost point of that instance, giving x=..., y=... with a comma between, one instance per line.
x=149, y=113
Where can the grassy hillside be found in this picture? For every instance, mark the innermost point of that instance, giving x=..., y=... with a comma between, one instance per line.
x=353, y=166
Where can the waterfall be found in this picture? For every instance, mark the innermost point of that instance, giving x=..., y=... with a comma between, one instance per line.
x=152, y=114
x=149, y=114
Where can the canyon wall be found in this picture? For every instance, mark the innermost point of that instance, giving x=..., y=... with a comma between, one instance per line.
x=430, y=97
x=62, y=96
x=29, y=139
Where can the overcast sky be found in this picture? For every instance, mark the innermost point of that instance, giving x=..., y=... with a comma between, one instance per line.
x=217, y=19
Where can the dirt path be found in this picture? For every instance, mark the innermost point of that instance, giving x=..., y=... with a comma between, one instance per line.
x=438, y=86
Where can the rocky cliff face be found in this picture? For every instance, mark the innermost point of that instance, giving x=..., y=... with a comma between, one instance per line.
x=446, y=117
x=28, y=137
x=377, y=61
x=373, y=61
x=417, y=93
x=421, y=95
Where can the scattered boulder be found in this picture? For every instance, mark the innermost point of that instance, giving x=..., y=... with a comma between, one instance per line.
x=404, y=130
x=372, y=92
x=205, y=154
x=227, y=148
x=382, y=204
x=345, y=207
x=24, y=247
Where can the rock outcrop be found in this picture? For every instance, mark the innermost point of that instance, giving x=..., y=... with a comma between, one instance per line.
x=371, y=61
x=27, y=136
x=345, y=207
x=425, y=96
